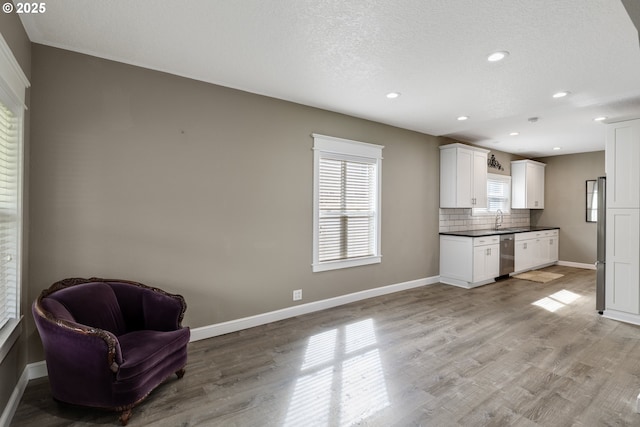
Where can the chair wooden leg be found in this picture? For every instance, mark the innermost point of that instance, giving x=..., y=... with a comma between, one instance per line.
x=180, y=373
x=125, y=416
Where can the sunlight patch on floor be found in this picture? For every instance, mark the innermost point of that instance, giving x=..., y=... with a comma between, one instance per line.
x=557, y=300
x=342, y=379
x=363, y=388
x=321, y=349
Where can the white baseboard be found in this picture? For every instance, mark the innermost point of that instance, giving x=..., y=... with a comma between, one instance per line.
x=211, y=331
x=577, y=265
x=37, y=369
x=463, y=283
x=621, y=316
x=30, y=372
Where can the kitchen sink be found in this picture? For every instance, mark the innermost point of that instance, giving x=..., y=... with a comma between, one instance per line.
x=502, y=231
x=512, y=230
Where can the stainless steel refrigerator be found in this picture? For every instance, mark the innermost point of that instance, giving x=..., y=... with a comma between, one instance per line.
x=601, y=264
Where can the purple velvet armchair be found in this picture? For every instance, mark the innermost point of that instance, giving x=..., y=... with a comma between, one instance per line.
x=109, y=343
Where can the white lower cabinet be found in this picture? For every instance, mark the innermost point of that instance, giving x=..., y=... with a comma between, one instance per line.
x=535, y=249
x=486, y=262
x=549, y=248
x=523, y=255
x=469, y=262
x=474, y=261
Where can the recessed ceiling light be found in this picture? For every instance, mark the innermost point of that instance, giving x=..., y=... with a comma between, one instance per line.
x=560, y=94
x=393, y=95
x=497, y=56
x=556, y=148
x=463, y=118
x=599, y=119
x=514, y=133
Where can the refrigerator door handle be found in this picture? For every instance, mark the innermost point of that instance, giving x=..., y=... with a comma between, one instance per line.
x=601, y=246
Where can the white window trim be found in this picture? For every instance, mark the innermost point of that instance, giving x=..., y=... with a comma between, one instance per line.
x=9, y=334
x=344, y=147
x=485, y=211
x=13, y=83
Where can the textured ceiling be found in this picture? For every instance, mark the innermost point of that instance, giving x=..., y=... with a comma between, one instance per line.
x=345, y=56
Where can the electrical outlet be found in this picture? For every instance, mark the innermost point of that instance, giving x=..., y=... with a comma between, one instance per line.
x=297, y=295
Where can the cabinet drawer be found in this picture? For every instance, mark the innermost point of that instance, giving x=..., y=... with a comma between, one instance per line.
x=535, y=235
x=488, y=240
x=525, y=236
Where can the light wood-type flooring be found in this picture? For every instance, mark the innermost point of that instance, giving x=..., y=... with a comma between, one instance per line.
x=432, y=356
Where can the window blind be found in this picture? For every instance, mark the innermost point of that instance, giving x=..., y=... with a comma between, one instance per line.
x=347, y=192
x=346, y=203
x=9, y=221
x=498, y=195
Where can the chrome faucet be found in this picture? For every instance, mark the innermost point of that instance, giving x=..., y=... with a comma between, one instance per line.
x=499, y=218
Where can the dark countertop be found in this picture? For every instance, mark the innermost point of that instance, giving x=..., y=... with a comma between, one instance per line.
x=492, y=232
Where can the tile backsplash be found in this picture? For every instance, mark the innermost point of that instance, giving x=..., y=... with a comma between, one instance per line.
x=461, y=219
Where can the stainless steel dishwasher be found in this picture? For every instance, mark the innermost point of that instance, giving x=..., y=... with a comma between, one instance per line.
x=506, y=254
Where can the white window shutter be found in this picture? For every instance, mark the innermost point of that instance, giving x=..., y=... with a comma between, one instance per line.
x=347, y=209
x=498, y=195
x=346, y=203
x=13, y=84
x=9, y=221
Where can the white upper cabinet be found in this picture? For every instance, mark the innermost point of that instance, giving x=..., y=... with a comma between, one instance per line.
x=622, y=160
x=463, y=176
x=527, y=184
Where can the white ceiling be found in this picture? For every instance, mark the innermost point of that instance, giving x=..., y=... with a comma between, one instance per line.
x=345, y=55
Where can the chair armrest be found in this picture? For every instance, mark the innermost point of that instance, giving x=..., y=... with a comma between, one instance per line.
x=162, y=311
x=66, y=340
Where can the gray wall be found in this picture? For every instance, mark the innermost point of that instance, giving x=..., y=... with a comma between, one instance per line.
x=12, y=366
x=204, y=190
x=565, y=201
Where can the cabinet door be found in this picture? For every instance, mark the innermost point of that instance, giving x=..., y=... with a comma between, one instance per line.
x=486, y=262
x=456, y=258
x=622, y=283
x=622, y=159
x=479, y=179
x=518, y=186
x=552, y=249
x=530, y=191
x=547, y=251
x=538, y=187
x=493, y=262
x=522, y=255
x=536, y=252
x=534, y=186
x=464, y=185
x=479, y=263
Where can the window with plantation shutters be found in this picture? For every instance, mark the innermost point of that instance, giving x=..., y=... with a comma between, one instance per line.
x=8, y=214
x=498, y=195
x=13, y=83
x=346, y=203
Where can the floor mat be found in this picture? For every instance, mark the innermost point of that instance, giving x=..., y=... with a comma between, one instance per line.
x=538, y=276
